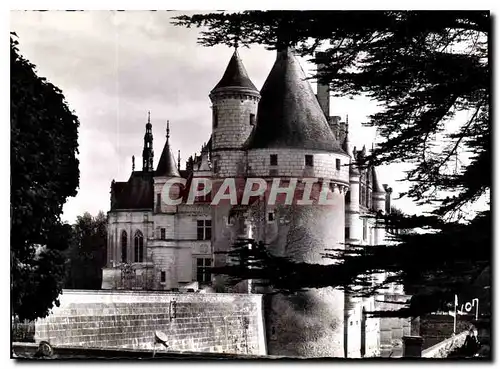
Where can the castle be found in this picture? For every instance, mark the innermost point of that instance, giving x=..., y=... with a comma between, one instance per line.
x=283, y=131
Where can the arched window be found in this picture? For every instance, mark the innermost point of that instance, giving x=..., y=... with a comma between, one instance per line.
x=124, y=247
x=138, y=247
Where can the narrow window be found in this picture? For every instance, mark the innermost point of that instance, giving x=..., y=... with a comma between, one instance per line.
x=347, y=233
x=309, y=161
x=208, y=229
x=365, y=229
x=215, y=118
x=138, y=247
x=270, y=216
x=274, y=159
x=124, y=247
x=337, y=164
x=348, y=197
x=216, y=166
x=252, y=119
x=158, y=202
x=162, y=233
x=163, y=276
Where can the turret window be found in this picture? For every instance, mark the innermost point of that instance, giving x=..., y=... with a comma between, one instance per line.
x=215, y=118
x=273, y=159
x=252, y=119
x=309, y=161
x=337, y=164
x=162, y=233
x=348, y=197
x=347, y=233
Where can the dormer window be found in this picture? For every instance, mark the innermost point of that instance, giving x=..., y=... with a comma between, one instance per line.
x=309, y=161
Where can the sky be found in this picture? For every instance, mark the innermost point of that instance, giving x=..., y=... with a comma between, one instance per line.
x=114, y=67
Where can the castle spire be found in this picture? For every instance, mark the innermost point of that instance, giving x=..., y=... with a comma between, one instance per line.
x=133, y=163
x=167, y=167
x=147, y=152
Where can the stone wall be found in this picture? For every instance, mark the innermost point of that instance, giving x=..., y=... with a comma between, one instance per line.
x=225, y=323
x=291, y=163
x=437, y=328
x=442, y=349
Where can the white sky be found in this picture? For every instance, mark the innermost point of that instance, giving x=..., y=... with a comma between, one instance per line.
x=115, y=66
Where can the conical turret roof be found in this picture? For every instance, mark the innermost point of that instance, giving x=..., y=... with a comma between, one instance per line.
x=235, y=76
x=167, y=167
x=289, y=115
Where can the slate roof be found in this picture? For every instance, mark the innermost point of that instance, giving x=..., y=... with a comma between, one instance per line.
x=167, y=166
x=289, y=115
x=137, y=193
x=235, y=76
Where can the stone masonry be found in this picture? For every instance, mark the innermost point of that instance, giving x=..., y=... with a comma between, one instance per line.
x=225, y=323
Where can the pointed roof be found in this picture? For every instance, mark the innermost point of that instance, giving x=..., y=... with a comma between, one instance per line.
x=235, y=76
x=167, y=167
x=289, y=115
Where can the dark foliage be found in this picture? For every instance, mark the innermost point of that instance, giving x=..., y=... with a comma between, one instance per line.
x=86, y=255
x=429, y=73
x=44, y=173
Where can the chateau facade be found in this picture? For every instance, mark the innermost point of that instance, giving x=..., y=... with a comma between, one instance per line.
x=283, y=131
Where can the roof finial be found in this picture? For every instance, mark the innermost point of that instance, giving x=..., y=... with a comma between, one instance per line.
x=178, y=159
x=149, y=116
x=168, y=130
x=347, y=119
x=133, y=163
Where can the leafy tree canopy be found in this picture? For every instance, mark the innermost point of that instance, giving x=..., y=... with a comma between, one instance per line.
x=44, y=173
x=429, y=73
x=86, y=255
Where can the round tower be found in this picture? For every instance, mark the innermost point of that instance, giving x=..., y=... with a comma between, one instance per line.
x=293, y=142
x=234, y=108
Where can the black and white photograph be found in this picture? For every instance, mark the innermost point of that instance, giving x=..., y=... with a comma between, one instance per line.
x=250, y=185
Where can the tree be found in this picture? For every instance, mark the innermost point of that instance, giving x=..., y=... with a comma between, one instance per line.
x=429, y=72
x=86, y=255
x=44, y=173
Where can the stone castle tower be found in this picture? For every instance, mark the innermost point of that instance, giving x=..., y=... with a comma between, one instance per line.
x=283, y=133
